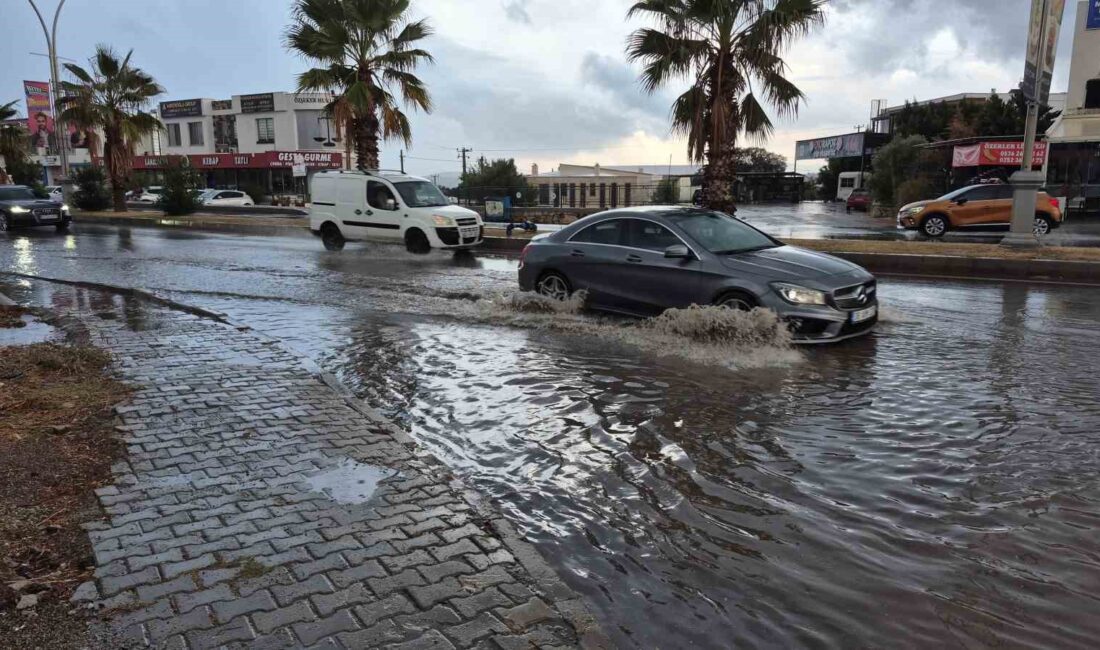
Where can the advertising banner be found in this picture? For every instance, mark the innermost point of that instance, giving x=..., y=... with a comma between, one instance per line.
x=181, y=108
x=267, y=159
x=995, y=154
x=1042, y=46
x=221, y=105
x=1093, y=21
x=841, y=146
x=39, y=114
x=262, y=103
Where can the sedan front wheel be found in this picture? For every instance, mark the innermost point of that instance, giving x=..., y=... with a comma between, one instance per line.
x=554, y=286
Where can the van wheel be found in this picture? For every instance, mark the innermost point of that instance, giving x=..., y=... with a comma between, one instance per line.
x=1042, y=225
x=934, y=225
x=332, y=238
x=736, y=300
x=416, y=242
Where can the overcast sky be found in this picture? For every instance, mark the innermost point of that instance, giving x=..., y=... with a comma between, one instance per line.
x=546, y=81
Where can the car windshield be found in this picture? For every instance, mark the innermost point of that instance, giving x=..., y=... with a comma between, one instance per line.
x=721, y=234
x=956, y=193
x=420, y=194
x=16, y=194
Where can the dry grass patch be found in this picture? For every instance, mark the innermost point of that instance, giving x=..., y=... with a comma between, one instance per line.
x=57, y=444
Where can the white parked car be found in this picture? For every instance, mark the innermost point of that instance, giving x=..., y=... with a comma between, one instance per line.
x=225, y=197
x=55, y=193
x=389, y=207
x=150, y=194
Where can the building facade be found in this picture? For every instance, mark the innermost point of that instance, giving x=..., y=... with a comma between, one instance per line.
x=272, y=140
x=583, y=186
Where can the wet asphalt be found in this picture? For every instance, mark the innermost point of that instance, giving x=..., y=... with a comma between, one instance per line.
x=934, y=484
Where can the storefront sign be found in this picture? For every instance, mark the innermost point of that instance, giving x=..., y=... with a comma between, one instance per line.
x=262, y=103
x=841, y=146
x=265, y=160
x=181, y=108
x=1093, y=21
x=311, y=100
x=221, y=105
x=1042, y=46
x=994, y=154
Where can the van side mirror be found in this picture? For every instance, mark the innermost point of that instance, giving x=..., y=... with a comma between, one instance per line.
x=391, y=204
x=678, y=252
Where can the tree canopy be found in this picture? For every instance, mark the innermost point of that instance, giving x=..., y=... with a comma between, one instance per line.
x=494, y=178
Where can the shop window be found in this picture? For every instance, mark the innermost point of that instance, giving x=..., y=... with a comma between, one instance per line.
x=174, y=139
x=1092, y=93
x=194, y=133
x=265, y=130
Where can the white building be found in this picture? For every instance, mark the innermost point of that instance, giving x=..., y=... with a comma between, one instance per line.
x=583, y=186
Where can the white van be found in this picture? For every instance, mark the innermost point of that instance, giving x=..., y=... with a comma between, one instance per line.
x=389, y=207
x=847, y=182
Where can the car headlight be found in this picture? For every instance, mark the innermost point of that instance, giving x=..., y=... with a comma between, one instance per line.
x=916, y=210
x=64, y=207
x=442, y=221
x=18, y=209
x=797, y=295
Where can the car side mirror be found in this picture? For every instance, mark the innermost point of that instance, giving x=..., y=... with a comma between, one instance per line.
x=678, y=252
x=391, y=204
x=961, y=201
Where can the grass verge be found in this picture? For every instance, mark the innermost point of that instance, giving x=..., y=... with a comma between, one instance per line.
x=57, y=444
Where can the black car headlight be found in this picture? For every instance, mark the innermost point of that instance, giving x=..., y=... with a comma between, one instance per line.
x=797, y=295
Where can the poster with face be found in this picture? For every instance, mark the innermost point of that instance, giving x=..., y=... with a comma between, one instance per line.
x=39, y=114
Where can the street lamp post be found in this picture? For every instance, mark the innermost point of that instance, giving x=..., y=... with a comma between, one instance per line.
x=51, y=43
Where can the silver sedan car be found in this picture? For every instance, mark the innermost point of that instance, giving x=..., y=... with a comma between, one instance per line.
x=641, y=261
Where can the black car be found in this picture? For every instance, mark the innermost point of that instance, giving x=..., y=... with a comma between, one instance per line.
x=19, y=207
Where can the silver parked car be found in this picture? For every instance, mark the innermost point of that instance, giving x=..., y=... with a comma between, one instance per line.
x=641, y=261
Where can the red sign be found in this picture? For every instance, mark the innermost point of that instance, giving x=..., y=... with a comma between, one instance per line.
x=264, y=160
x=993, y=154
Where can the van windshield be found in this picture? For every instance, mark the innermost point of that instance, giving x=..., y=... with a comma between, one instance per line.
x=420, y=194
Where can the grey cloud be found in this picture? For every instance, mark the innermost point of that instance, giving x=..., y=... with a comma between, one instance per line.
x=516, y=11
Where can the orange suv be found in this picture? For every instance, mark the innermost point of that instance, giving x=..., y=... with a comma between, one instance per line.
x=976, y=205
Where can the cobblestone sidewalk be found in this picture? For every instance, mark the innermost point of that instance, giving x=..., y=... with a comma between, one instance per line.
x=257, y=508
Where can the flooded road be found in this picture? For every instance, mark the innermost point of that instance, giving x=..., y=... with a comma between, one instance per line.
x=932, y=485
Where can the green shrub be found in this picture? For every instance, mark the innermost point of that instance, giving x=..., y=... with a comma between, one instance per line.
x=91, y=189
x=180, y=183
x=257, y=192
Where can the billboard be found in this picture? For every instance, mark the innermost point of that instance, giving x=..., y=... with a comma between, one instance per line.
x=181, y=108
x=840, y=146
x=1093, y=21
x=1042, y=46
x=993, y=154
x=266, y=159
x=40, y=115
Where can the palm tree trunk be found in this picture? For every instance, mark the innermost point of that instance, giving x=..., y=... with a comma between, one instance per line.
x=720, y=177
x=116, y=172
x=366, y=142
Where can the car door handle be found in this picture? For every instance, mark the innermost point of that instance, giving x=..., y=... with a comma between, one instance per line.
x=577, y=253
x=633, y=259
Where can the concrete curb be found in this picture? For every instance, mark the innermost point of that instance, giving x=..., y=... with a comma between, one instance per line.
x=568, y=603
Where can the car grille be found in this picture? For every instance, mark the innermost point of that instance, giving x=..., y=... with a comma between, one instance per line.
x=45, y=212
x=467, y=221
x=855, y=297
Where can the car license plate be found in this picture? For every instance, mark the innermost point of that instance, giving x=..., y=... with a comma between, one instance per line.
x=469, y=233
x=864, y=314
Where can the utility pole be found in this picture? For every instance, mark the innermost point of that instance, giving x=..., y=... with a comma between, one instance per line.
x=402, y=161
x=462, y=183
x=862, y=152
x=51, y=43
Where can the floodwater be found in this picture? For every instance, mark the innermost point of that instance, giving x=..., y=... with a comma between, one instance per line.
x=933, y=485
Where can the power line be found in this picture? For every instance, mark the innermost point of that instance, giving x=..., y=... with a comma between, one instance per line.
x=431, y=159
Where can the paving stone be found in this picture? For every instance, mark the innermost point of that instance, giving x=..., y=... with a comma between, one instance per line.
x=466, y=633
x=384, y=586
x=428, y=595
x=434, y=618
x=523, y=616
x=356, y=594
x=286, y=594
x=150, y=593
x=312, y=632
x=437, y=571
x=187, y=566
x=196, y=619
x=228, y=610
x=140, y=562
x=185, y=602
x=398, y=563
x=469, y=606
x=112, y=585
x=448, y=551
x=432, y=640
x=267, y=622
x=372, y=637
x=372, y=613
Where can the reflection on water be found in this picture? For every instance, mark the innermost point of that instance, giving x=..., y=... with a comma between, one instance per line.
x=915, y=485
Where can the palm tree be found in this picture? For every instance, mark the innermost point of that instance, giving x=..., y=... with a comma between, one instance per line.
x=730, y=51
x=112, y=98
x=367, y=51
x=13, y=137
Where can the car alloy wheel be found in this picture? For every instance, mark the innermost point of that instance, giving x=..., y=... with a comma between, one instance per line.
x=934, y=226
x=554, y=286
x=735, y=301
x=1042, y=226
